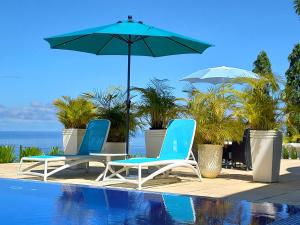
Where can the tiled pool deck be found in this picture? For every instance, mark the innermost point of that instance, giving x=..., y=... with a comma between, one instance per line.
x=231, y=184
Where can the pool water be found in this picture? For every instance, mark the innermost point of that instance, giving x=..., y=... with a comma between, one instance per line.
x=28, y=202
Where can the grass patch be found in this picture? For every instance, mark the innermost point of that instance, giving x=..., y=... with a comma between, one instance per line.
x=56, y=151
x=7, y=154
x=30, y=151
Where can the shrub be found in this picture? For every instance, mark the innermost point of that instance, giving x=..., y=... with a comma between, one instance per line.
x=7, y=154
x=214, y=112
x=30, y=151
x=259, y=108
x=111, y=105
x=294, y=154
x=285, y=153
x=56, y=151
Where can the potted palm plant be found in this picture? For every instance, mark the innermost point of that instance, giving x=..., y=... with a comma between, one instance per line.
x=217, y=122
x=259, y=106
x=74, y=114
x=111, y=105
x=157, y=106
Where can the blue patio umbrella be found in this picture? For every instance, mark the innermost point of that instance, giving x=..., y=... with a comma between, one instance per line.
x=127, y=38
x=219, y=75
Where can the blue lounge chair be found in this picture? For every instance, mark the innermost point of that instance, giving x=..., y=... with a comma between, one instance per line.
x=176, y=151
x=93, y=142
x=180, y=208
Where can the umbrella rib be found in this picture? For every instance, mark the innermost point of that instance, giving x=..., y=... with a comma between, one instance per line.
x=119, y=37
x=152, y=53
x=140, y=37
x=186, y=46
x=97, y=53
x=68, y=41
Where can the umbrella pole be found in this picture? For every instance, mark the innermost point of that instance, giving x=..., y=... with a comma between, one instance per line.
x=128, y=97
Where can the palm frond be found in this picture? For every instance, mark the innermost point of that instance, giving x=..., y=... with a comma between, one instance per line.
x=297, y=6
x=259, y=107
x=111, y=104
x=74, y=113
x=214, y=112
x=157, y=103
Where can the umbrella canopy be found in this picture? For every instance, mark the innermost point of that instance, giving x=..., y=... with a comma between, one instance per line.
x=127, y=38
x=114, y=39
x=218, y=75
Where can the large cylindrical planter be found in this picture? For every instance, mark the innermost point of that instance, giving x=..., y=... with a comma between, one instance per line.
x=210, y=160
x=72, y=139
x=153, y=142
x=266, y=147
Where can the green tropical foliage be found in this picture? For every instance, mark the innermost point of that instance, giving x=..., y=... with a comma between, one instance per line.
x=74, y=113
x=297, y=6
x=258, y=108
x=111, y=105
x=30, y=151
x=158, y=104
x=285, y=153
x=263, y=67
x=56, y=151
x=259, y=100
x=294, y=154
x=7, y=153
x=292, y=95
x=214, y=112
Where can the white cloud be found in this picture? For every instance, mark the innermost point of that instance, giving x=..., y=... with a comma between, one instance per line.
x=10, y=77
x=35, y=111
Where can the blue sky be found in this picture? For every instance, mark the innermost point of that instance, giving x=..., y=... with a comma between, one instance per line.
x=32, y=75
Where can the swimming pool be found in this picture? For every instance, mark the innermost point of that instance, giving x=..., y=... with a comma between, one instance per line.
x=28, y=202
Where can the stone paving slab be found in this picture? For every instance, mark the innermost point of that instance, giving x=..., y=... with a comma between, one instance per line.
x=231, y=184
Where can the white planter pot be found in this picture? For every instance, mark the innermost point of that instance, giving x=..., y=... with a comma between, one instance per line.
x=153, y=142
x=266, y=147
x=72, y=139
x=210, y=160
x=115, y=147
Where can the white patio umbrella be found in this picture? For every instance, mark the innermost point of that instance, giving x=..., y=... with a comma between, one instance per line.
x=218, y=75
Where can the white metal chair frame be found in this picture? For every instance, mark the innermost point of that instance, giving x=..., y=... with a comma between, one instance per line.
x=162, y=165
x=70, y=161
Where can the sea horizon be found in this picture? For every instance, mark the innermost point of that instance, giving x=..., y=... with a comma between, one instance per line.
x=45, y=140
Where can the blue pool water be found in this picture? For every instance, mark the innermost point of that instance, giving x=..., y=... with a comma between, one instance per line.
x=27, y=202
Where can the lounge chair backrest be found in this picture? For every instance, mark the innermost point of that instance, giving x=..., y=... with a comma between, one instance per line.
x=180, y=208
x=95, y=137
x=179, y=138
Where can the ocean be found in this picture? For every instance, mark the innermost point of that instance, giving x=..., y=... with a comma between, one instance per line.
x=45, y=140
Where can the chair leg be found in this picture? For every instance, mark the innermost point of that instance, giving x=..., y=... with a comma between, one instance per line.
x=87, y=167
x=139, y=177
x=103, y=174
x=20, y=166
x=198, y=172
x=45, y=170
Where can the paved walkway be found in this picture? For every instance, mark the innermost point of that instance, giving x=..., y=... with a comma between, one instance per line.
x=231, y=184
